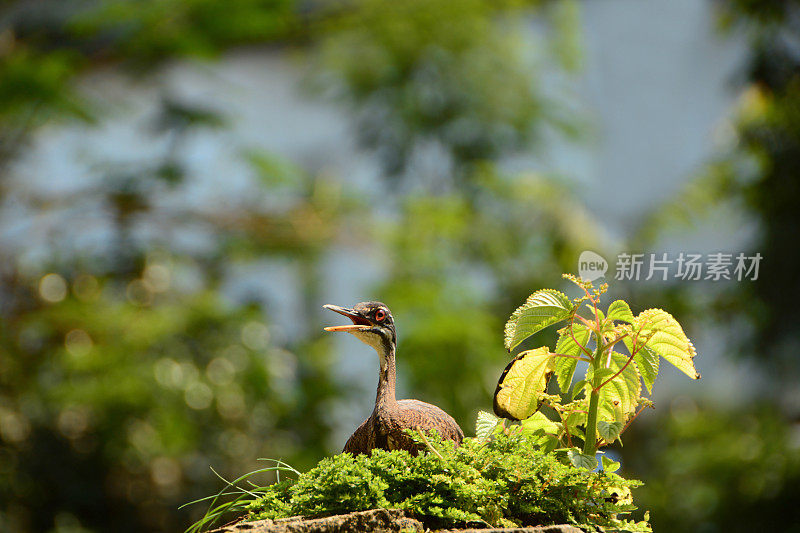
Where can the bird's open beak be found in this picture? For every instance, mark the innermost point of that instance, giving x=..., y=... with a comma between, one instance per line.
x=359, y=322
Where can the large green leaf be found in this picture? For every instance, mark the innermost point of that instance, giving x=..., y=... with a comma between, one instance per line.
x=619, y=397
x=517, y=394
x=620, y=310
x=667, y=339
x=565, y=366
x=542, y=308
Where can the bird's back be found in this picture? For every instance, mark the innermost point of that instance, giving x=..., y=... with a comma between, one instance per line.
x=387, y=431
x=423, y=416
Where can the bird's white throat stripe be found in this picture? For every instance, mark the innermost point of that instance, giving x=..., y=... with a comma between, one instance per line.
x=374, y=340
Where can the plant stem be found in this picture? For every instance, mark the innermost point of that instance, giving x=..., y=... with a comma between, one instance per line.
x=590, y=442
x=578, y=357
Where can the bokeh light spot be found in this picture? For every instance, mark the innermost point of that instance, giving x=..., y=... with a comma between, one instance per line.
x=237, y=355
x=73, y=422
x=230, y=403
x=78, y=343
x=168, y=373
x=236, y=444
x=143, y=436
x=198, y=396
x=86, y=287
x=52, y=288
x=165, y=471
x=14, y=427
x=255, y=335
x=157, y=277
x=220, y=371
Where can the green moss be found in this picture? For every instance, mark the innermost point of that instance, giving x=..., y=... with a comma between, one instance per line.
x=503, y=482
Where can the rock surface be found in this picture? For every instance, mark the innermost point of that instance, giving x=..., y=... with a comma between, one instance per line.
x=374, y=521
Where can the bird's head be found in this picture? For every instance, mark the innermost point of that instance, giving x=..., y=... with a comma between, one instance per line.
x=372, y=324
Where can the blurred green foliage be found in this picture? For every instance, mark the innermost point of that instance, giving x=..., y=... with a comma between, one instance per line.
x=126, y=368
x=438, y=75
x=46, y=45
x=155, y=386
x=123, y=379
x=150, y=31
x=755, y=177
x=735, y=468
x=710, y=470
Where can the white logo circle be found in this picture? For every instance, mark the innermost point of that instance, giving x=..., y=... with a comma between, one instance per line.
x=591, y=265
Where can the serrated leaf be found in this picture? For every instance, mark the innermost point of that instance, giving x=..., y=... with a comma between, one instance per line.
x=620, y=310
x=548, y=443
x=608, y=464
x=667, y=339
x=538, y=421
x=565, y=370
x=609, y=431
x=621, y=495
x=565, y=366
x=485, y=424
x=619, y=398
x=581, y=460
x=542, y=308
x=647, y=362
x=516, y=395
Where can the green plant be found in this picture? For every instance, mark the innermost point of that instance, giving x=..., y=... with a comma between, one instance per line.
x=601, y=406
x=506, y=481
x=532, y=474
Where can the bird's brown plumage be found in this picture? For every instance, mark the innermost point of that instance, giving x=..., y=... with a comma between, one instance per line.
x=374, y=325
x=387, y=432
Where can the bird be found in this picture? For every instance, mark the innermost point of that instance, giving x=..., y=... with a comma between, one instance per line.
x=373, y=324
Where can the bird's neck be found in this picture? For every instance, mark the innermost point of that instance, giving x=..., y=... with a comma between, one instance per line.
x=385, y=399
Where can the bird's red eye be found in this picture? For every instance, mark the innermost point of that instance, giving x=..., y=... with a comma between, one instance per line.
x=380, y=314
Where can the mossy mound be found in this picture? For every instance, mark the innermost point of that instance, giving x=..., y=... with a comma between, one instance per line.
x=504, y=482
